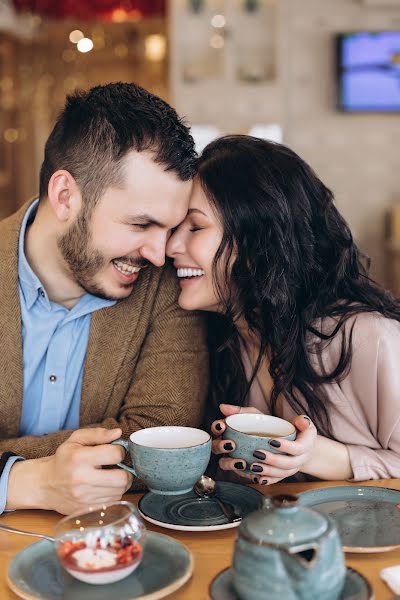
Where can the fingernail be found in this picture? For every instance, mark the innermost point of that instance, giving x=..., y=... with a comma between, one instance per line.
x=259, y=455
x=228, y=446
x=264, y=482
x=274, y=443
x=238, y=465
x=307, y=419
x=255, y=479
x=218, y=427
x=256, y=468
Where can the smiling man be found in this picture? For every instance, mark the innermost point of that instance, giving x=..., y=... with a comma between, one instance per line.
x=93, y=342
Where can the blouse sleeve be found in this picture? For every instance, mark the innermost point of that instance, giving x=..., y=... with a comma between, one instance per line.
x=375, y=381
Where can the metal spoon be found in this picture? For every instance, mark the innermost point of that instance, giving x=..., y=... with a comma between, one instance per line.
x=206, y=487
x=23, y=532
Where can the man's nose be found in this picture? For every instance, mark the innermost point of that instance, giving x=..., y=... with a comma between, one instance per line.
x=175, y=245
x=154, y=253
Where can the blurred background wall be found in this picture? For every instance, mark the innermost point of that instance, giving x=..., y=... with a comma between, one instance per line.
x=267, y=67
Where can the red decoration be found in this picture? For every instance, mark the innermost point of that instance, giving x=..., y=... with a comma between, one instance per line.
x=109, y=10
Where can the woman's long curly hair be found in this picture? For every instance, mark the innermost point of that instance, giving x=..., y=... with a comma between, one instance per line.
x=288, y=259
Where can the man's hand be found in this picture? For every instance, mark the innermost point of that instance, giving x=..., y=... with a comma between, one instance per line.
x=72, y=479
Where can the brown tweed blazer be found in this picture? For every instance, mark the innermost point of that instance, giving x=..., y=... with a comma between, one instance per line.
x=146, y=362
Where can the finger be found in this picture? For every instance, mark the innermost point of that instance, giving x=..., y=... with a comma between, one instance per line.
x=301, y=445
x=223, y=446
x=105, y=454
x=233, y=464
x=278, y=460
x=111, y=479
x=302, y=422
x=94, y=436
x=218, y=427
x=262, y=470
x=232, y=409
x=129, y=482
x=98, y=497
x=264, y=481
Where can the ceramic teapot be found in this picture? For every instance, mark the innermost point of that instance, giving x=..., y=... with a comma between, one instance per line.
x=286, y=551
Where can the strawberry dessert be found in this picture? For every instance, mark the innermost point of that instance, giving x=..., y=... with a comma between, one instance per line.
x=100, y=560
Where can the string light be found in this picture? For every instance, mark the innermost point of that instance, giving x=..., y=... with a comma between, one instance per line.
x=217, y=41
x=218, y=21
x=85, y=45
x=75, y=36
x=155, y=47
x=11, y=135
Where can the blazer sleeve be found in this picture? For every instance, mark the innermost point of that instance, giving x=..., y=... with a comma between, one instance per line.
x=375, y=376
x=168, y=385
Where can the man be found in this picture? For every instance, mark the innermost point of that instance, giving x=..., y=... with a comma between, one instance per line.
x=92, y=339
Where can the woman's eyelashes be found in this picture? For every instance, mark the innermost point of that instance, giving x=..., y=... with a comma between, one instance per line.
x=194, y=228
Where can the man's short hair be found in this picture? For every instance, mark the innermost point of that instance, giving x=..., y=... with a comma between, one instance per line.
x=97, y=128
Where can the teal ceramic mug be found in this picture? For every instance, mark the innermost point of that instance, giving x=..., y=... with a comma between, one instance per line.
x=169, y=460
x=253, y=431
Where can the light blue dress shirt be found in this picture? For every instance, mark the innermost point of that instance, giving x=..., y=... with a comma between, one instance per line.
x=54, y=344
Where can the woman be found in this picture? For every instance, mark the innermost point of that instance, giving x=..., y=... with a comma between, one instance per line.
x=297, y=329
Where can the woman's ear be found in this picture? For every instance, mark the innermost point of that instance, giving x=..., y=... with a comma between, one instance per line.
x=64, y=195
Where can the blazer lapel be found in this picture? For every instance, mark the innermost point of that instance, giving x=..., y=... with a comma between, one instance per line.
x=112, y=329
x=11, y=374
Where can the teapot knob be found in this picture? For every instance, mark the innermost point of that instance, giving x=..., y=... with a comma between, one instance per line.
x=285, y=500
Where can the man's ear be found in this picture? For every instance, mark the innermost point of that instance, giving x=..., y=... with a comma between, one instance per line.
x=64, y=195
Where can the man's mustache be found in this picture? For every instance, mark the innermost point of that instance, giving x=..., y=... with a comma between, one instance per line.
x=134, y=262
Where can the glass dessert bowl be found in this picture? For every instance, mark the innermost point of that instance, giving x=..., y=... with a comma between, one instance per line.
x=102, y=545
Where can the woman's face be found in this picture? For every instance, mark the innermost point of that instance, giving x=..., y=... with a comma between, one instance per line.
x=193, y=247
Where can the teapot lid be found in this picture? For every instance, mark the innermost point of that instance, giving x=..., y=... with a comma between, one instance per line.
x=282, y=521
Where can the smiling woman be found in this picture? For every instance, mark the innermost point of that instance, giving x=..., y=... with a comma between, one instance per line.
x=193, y=247
x=297, y=328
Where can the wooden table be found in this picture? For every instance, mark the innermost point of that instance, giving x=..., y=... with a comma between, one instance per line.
x=212, y=551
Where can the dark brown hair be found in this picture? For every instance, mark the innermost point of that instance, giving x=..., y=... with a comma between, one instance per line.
x=97, y=128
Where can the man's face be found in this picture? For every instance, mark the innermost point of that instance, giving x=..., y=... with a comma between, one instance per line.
x=127, y=230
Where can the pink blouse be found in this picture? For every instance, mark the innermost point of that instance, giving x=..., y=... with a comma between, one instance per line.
x=365, y=406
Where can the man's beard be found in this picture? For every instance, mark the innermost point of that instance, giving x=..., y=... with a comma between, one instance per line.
x=83, y=261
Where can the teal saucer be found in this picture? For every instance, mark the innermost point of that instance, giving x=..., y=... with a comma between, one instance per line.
x=367, y=517
x=188, y=512
x=356, y=587
x=35, y=573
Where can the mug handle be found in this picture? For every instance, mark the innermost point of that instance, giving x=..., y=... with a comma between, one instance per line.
x=124, y=444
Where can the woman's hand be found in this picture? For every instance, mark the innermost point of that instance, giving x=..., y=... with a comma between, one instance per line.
x=267, y=467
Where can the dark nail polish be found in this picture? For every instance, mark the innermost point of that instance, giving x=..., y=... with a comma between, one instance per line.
x=264, y=482
x=238, y=465
x=218, y=427
x=259, y=455
x=275, y=443
x=256, y=468
x=228, y=446
x=255, y=479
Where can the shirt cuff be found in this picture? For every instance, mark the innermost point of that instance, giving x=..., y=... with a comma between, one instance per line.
x=4, y=481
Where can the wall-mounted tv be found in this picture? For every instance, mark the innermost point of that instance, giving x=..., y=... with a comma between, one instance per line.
x=368, y=65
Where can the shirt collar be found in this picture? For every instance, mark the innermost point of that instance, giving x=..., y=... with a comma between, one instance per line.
x=31, y=285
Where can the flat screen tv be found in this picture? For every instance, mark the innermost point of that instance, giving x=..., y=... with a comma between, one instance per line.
x=368, y=65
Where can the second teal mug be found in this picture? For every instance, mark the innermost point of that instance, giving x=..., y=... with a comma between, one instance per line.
x=169, y=460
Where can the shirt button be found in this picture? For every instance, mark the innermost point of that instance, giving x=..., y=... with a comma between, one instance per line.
x=42, y=293
x=53, y=378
